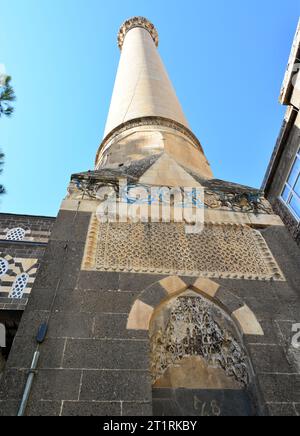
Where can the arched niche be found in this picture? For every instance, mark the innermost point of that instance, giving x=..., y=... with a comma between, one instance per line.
x=199, y=365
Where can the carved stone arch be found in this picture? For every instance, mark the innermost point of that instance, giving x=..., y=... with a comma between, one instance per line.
x=198, y=360
x=159, y=292
x=199, y=364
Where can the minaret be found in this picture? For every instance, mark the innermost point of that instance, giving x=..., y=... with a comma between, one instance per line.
x=145, y=117
x=136, y=314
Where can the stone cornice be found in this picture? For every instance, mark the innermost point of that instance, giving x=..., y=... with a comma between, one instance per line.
x=137, y=22
x=150, y=121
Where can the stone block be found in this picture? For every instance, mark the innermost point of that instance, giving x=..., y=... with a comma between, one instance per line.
x=98, y=281
x=286, y=332
x=263, y=300
x=114, y=326
x=41, y=299
x=107, y=354
x=52, y=265
x=88, y=408
x=68, y=300
x=71, y=226
x=31, y=322
x=69, y=205
x=163, y=407
x=173, y=285
x=108, y=302
x=206, y=286
x=272, y=335
x=225, y=217
x=12, y=384
x=154, y=295
x=281, y=409
x=56, y=385
x=248, y=321
x=70, y=325
x=43, y=408
x=280, y=388
x=9, y=408
x=265, y=220
x=72, y=265
x=132, y=386
x=51, y=353
x=137, y=282
x=63, y=227
x=140, y=316
x=269, y=359
x=137, y=409
x=229, y=300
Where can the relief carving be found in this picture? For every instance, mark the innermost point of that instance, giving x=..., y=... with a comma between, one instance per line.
x=237, y=202
x=137, y=22
x=191, y=330
x=219, y=251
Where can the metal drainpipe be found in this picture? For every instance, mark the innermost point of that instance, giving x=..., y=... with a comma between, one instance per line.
x=29, y=382
x=42, y=332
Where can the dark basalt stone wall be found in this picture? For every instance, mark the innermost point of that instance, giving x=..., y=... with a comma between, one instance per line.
x=91, y=364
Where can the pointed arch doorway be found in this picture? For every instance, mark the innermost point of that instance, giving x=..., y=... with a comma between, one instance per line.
x=199, y=365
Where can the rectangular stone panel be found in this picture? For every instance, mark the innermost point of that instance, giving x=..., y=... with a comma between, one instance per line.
x=219, y=251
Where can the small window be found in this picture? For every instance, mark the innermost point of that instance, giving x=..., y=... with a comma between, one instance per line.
x=3, y=267
x=17, y=234
x=291, y=192
x=19, y=286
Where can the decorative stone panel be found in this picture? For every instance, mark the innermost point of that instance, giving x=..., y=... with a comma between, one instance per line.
x=219, y=251
x=192, y=327
x=21, y=228
x=19, y=277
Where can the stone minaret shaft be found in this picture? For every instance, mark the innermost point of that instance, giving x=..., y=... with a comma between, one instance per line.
x=142, y=86
x=145, y=116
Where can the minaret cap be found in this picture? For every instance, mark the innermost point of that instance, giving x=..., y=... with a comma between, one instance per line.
x=137, y=22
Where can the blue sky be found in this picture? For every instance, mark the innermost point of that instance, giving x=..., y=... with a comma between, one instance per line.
x=226, y=59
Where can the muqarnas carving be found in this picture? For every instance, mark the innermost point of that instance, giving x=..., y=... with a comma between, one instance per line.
x=187, y=328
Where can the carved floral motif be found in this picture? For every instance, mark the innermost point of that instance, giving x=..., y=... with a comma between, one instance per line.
x=237, y=202
x=247, y=202
x=192, y=331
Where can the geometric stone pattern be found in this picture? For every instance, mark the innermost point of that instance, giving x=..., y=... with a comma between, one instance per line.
x=18, y=279
x=19, y=228
x=16, y=234
x=219, y=251
x=192, y=331
x=23, y=241
x=19, y=286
